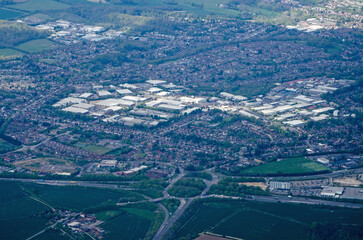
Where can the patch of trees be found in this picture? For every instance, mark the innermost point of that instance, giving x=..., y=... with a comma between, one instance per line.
x=151, y=187
x=10, y=139
x=322, y=231
x=203, y=175
x=12, y=34
x=187, y=187
x=228, y=188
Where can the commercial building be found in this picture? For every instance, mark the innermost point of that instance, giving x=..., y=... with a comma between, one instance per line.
x=332, y=191
x=280, y=185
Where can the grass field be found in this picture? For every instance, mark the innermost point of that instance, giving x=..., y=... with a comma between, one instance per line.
x=93, y=148
x=78, y=198
x=38, y=45
x=8, y=52
x=8, y=13
x=254, y=220
x=39, y=5
x=287, y=166
x=126, y=226
x=17, y=213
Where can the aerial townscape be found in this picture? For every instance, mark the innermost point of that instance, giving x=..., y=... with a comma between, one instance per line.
x=181, y=119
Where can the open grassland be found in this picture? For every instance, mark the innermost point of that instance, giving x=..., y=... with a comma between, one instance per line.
x=79, y=198
x=40, y=5
x=253, y=220
x=38, y=45
x=8, y=13
x=287, y=166
x=17, y=213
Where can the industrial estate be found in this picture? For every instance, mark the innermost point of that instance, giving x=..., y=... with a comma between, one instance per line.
x=173, y=119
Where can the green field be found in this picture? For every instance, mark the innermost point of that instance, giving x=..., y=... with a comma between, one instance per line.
x=107, y=215
x=8, y=53
x=51, y=234
x=8, y=13
x=254, y=220
x=202, y=7
x=17, y=213
x=126, y=226
x=93, y=148
x=79, y=198
x=286, y=166
x=40, y=5
x=34, y=46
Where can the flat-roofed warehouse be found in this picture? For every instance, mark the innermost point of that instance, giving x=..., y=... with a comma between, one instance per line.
x=156, y=82
x=171, y=107
x=68, y=100
x=280, y=185
x=83, y=105
x=75, y=110
x=103, y=93
x=332, y=191
x=114, y=102
x=124, y=91
x=232, y=96
x=294, y=123
x=134, y=98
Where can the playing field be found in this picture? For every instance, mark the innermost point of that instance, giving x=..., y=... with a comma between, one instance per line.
x=40, y=5
x=93, y=148
x=38, y=45
x=258, y=221
x=287, y=166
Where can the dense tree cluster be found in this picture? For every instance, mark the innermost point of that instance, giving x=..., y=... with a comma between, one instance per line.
x=14, y=33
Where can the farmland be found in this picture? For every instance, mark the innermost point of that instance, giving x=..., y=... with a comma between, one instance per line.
x=286, y=166
x=40, y=5
x=8, y=13
x=254, y=220
x=17, y=211
x=36, y=45
x=8, y=52
x=51, y=234
x=135, y=228
x=78, y=198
